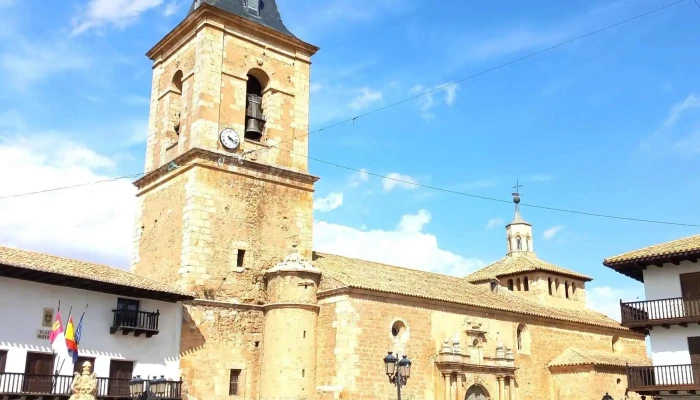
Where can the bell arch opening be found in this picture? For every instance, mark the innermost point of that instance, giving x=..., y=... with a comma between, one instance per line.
x=254, y=104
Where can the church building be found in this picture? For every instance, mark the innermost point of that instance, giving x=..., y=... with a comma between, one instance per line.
x=225, y=212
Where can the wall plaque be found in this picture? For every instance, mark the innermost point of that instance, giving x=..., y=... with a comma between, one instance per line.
x=43, y=334
x=47, y=320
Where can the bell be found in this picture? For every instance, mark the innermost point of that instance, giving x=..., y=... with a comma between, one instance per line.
x=253, y=129
x=254, y=110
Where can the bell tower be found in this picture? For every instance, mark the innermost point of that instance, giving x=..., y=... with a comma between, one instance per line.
x=226, y=189
x=519, y=232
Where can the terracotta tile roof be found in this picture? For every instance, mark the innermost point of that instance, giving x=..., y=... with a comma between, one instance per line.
x=573, y=356
x=679, y=248
x=354, y=273
x=516, y=264
x=48, y=264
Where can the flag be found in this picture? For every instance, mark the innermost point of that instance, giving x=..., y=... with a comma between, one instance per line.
x=57, y=338
x=71, y=343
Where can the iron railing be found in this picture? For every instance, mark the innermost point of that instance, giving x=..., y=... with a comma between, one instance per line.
x=60, y=385
x=662, y=310
x=672, y=377
x=135, y=320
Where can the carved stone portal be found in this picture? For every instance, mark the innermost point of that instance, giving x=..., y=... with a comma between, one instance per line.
x=84, y=386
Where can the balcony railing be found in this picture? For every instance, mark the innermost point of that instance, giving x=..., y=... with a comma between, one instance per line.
x=20, y=384
x=138, y=322
x=665, y=377
x=660, y=312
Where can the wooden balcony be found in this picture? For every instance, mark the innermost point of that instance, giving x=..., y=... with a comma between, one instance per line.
x=644, y=315
x=668, y=378
x=139, y=322
x=16, y=385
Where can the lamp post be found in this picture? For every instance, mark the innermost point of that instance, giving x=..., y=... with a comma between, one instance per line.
x=398, y=371
x=607, y=397
x=143, y=389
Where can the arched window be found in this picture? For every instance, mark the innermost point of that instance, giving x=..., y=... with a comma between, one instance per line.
x=519, y=285
x=549, y=284
x=526, y=284
x=176, y=102
x=527, y=242
x=566, y=288
x=518, y=243
x=573, y=290
x=510, y=285
x=254, y=119
x=557, y=291
x=523, y=339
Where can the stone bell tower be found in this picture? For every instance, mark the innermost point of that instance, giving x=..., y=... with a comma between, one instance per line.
x=226, y=189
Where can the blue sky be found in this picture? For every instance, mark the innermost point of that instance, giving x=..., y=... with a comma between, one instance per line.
x=608, y=124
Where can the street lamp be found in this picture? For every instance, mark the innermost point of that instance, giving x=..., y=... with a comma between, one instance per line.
x=141, y=389
x=607, y=397
x=398, y=371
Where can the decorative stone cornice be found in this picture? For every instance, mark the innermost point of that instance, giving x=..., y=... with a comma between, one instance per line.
x=213, y=157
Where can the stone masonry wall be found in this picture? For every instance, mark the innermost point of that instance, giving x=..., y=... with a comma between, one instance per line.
x=585, y=382
x=158, y=231
x=360, y=334
x=227, y=212
x=217, y=338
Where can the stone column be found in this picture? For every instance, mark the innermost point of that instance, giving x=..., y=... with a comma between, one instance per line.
x=511, y=388
x=448, y=385
x=500, y=388
x=460, y=388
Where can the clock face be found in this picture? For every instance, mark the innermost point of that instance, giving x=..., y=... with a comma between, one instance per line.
x=229, y=138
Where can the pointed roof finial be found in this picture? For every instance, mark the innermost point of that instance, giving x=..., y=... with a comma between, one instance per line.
x=516, y=200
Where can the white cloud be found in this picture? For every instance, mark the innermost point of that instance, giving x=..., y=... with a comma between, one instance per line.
x=407, y=246
x=667, y=137
x=414, y=223
x=428, y=97
x=172, y=8
x=92, y=222
x=550, y=233
x=359, y=177
x=397, y=180
x=315, y=87
x=540, y=178
x=494, y=222
x=606, y=299
x=365, y=98
x=328, y=203
x=25, y=63
x=119, y=13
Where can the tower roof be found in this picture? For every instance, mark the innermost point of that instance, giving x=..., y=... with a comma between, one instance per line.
x=518, y=264
x=268, y=14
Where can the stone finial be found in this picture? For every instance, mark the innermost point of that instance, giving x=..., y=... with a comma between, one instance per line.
x=445, y=346
x=509, y=354
x=84, y=387
x=294, y=262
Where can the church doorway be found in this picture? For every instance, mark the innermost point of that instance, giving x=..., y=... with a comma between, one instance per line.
x=477, y=393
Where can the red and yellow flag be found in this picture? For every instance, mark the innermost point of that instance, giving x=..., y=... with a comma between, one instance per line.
x=70, y=338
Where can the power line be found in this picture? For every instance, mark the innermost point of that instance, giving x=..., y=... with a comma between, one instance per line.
x=456, y=192
x=71, y=186
x=353, y=119
x=499, y=200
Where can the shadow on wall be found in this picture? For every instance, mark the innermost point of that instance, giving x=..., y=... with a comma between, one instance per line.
x=192, y=339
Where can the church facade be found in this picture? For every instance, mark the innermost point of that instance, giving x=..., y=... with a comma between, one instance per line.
x=225, y=211
x=227, y=196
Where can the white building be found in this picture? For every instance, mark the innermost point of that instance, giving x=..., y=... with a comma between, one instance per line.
x=131, y=327
x=670, y=315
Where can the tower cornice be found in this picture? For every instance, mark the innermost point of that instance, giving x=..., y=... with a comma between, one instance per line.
x=208, y=158
x=200, y=18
